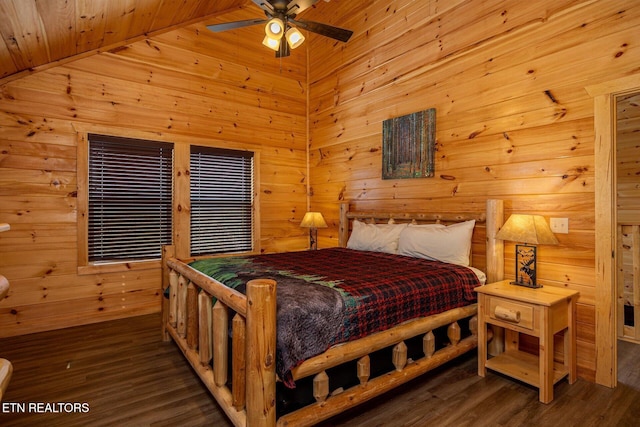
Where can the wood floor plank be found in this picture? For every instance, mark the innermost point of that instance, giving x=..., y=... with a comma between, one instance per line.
x=128, y=376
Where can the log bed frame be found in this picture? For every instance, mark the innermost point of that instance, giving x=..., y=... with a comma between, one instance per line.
x=249, y=399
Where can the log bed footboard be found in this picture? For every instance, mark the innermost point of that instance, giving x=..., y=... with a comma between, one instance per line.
x=200, y=329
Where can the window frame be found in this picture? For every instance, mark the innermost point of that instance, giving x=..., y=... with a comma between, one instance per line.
x=181, y=205
x=84, y=265
x=224, y=154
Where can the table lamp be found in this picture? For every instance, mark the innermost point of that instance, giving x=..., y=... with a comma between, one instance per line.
x=313, y=221
x=531, y=230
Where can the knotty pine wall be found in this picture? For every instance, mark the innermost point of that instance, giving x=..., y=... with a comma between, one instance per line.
x=507, y=79
x=513, y=121
x=187, y=86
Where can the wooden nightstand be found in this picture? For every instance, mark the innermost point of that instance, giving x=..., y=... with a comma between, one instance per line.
x=541, y=313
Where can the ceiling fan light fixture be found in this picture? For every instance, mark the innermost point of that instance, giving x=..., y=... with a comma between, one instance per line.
x=294, y=37
x=274, y=28
x=271, y=43
x=280, y=22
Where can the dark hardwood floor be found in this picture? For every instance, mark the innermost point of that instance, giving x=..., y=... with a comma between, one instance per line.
x=120, y=373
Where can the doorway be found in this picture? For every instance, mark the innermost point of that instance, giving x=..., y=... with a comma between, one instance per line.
x=627, y=143
x=605, y=97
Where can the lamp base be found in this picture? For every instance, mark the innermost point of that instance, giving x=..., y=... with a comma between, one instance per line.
x=313, y=239
x=526, y=266
x=526, y=285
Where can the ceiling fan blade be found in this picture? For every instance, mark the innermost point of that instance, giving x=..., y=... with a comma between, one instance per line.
x=236, y=24
x=264, y=5
x=324, y=29
x=297, y=6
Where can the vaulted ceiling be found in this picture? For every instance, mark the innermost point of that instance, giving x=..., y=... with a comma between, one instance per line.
x=35, y=34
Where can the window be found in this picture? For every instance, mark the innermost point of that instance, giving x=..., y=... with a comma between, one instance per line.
x=130, y=198
x=221, y=200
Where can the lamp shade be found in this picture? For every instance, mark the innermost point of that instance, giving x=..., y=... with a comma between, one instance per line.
x=532, y=229
x=274, y=28
x=271, y=43
x=313, y=220
x=294, y=37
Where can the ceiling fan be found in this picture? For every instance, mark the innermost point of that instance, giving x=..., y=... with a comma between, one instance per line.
x=281, y=23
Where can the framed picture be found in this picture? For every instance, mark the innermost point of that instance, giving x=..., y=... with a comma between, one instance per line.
x=408, y=145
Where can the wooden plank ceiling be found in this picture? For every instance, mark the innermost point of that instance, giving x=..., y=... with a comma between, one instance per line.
x=37, y=33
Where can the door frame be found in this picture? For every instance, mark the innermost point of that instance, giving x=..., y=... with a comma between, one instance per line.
x=605, y=96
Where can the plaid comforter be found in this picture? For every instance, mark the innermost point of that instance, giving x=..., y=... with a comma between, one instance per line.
x=335, y=295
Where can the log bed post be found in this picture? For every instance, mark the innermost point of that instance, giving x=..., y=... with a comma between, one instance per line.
x=261, y=353
x=343, y=227
x=364, y=369
x=192, y=316
x=167, y=252
x=220, y=319
x=239, y=375
x=495, y=247
x=183, y=286
x=205, y=321
x=495, y=266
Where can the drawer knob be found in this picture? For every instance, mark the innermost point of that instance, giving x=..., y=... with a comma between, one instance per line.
x=507, y=314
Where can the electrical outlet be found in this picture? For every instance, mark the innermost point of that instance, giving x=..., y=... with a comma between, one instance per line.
x=559, y=225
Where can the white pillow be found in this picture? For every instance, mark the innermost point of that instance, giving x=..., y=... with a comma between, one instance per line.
x=375, y=237
x=450, y=244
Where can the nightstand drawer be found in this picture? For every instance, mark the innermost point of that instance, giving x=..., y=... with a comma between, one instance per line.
x=511, y=312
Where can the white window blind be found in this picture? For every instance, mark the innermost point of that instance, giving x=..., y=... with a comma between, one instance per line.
x=130, y=197
x=221, y=200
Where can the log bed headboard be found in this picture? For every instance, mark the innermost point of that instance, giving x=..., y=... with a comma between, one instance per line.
x=491, y=219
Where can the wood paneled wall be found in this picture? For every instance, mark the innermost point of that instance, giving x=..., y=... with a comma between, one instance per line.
x=514, y=121
x=187, y=86
x=507, y=79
